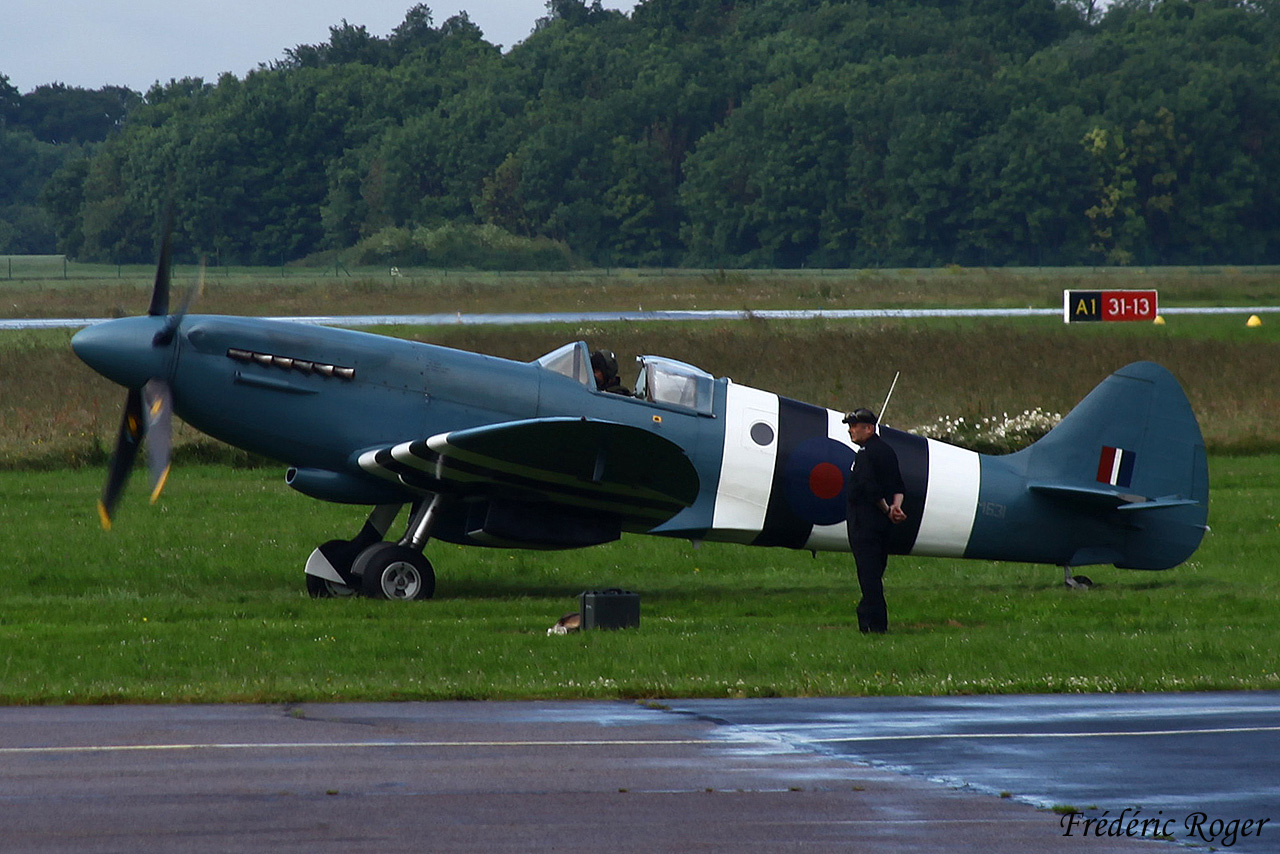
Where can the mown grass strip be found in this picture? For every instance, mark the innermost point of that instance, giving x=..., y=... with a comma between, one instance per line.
x=200, y=599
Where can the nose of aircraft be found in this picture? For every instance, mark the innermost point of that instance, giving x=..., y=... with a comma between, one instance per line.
x=124, y=351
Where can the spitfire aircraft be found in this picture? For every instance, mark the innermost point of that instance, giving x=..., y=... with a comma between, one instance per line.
x=493, y=452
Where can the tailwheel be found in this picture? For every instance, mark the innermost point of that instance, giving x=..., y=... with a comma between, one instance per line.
x=393, y=571
x=323, y=588
x=328, y=570
x=1076, y=582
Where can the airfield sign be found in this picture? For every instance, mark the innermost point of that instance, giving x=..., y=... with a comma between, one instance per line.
x=1080, y=306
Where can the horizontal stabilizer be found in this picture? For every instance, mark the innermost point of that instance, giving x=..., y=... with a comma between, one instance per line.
x=1109, y=498
x=1159, y=504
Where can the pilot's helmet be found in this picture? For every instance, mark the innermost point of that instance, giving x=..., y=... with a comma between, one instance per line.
x=605, y=362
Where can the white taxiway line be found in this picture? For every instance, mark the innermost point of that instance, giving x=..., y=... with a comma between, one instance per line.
x=346, y=745
x=855, y=739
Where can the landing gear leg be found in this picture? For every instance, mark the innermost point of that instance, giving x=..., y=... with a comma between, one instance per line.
x=400, y=570
x=330, y=567
x=1075, y=582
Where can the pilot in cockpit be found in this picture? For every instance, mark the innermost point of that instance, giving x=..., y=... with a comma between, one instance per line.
x=605, y=367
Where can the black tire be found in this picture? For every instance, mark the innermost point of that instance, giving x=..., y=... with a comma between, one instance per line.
x=340, y=555
x=391, y=571
x=323, y=588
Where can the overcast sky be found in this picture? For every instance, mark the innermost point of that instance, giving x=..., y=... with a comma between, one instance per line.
x=95, y=43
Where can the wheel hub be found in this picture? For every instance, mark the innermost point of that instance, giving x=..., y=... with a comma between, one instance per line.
x=401, y=580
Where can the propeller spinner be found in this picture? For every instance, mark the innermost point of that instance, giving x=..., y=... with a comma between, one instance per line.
x=138, y=353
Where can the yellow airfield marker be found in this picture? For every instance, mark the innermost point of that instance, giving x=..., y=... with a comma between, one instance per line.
x=1253, y=321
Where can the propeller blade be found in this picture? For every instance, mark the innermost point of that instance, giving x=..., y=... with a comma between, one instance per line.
x=189, y=299
x=159, y=431
x=148, y=413
x=166, y=333
x=160, y=293
x=132, y=428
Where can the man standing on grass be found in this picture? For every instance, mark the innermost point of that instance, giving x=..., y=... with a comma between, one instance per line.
x=875, y=506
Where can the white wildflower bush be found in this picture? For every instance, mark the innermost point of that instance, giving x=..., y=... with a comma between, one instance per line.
x=993, y=434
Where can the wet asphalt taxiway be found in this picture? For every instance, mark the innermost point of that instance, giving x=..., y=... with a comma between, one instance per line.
x=953, y=774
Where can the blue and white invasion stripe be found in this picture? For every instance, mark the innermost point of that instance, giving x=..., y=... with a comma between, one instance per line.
x=784, y=471
x=746, y=468
x=951, y=501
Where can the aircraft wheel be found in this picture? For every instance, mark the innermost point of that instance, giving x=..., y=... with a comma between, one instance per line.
x=333, y=557
x=391, y=571
x=323, y=588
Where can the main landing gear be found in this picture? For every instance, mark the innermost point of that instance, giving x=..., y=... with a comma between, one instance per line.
x=367, y=565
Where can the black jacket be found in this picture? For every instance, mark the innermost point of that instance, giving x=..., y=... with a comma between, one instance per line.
x=875, y=476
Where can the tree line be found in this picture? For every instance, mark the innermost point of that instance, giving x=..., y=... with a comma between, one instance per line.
x=40, y=132
x=731, y=133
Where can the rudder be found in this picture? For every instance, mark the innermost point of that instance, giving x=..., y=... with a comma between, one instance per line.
x=1123, y=479
x=1132, y=446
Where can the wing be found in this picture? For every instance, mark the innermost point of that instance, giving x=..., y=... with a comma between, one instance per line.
x=596, y=465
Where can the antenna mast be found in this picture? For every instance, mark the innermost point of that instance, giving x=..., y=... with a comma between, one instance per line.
x=892, y=386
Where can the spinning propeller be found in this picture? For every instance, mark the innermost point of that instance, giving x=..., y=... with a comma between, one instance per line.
x=139, y=354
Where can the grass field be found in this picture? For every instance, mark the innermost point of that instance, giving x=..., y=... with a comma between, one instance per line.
x=200, y=598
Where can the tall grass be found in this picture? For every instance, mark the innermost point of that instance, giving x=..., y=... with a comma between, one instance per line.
x=104, y=291
x=201, y=599
x=54, y=411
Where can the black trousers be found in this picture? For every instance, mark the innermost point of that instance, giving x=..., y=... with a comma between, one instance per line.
x=871, y=555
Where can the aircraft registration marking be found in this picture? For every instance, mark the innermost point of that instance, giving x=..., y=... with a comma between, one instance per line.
x=992, y=509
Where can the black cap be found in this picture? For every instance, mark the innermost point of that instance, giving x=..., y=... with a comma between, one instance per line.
x=860, y=416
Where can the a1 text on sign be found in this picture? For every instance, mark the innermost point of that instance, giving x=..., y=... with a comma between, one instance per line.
x=1081, y=306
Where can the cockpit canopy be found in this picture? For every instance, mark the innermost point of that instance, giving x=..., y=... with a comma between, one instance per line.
x=661, y=380
x=572, y=361
x=673, y=383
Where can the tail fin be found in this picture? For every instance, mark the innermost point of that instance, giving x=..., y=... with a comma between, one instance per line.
x=1132, y=446
x=1122, y=479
